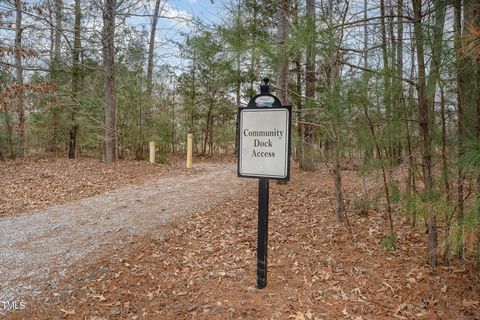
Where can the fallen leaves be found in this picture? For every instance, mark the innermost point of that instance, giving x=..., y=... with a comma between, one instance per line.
x=203, y=267
x=34, y=183
x=67, y=312
x=470, y=303
x=100, y=297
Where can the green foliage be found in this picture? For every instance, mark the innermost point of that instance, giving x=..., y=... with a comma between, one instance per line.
x=389, y=243
x=4, y=122
x=412, y=208
x=471, y=157
x=162, y=138
x=363, y=205
x=395, y=192
x=417, y=205
x=471, y=220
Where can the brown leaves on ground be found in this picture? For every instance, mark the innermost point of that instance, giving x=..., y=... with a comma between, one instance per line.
x=37, y=182
x=204, y=268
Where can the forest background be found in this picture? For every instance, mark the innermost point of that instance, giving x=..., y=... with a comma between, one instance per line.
x=388, y=88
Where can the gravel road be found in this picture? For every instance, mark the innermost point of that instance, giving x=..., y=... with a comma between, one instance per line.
x=40, y=247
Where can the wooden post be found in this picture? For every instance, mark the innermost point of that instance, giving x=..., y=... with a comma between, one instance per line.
x=189, y=150
x=152, y=152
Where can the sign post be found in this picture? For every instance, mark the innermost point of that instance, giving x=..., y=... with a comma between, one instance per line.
x=262, y=239
x=263, y=137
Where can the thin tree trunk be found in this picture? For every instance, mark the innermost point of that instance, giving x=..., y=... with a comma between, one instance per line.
x=434, y=75
x=20, y=108
x=410, y=140
x=478, y=140
x=282, y=70
x=424, y=120
x=53, y=145
x=9, y=129
x=210, y=142
x=151, y=48
x=477, y=89
x=384, y=173
x=365, y=34
x=445, y=176
x=469, y=69
x=207, y=128
x=337, y=177
x=254, y=56
x=306, y=159
x=238, y=57
x=108, y=36
x=52, y=29
x=386, y=81
x=460, y=118
x=283, y=11
x=297, y=97
x=73, y=145
x=145, y=115
x=435, y=62
x=298, y=104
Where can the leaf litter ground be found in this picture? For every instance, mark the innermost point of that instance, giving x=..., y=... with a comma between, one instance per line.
x=203, y=267
x=40, y=181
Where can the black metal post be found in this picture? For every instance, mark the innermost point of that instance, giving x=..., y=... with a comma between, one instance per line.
x=262, y=241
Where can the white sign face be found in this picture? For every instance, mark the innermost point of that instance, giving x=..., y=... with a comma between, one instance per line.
x=264, y=143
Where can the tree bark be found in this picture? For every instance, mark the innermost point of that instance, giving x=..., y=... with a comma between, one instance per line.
x=307, y=138
x=145, y=115
x=424, y=132
x=445, y=177
x=282, y=70
x=108, y=35
x=460, y=119
x=151, y=47
x=55, y=69
x=20, y=108
x=207, y=127
x=73, y=145
x=384, y=173
x=337, y=177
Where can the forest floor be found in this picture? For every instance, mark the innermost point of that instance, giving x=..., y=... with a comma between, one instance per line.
x=201, y=264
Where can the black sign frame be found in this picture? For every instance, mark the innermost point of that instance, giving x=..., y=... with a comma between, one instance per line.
x=289, y=140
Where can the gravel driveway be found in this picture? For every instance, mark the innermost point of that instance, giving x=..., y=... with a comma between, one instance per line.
x=40, y=247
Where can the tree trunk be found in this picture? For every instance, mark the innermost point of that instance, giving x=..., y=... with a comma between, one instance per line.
x=19, y=78
x=365, y=34
x=387, y=101
x=460, y=119
x=384, y=173
x=55, y=69
x=73, y=145
x=337, y=177
x=307, y=138
x=108, y=35
x=282, y=70
x=445, y=176
x=424, y=132
x=411, y=183
x=298, y=104
x=471, y=90
x=151, y=47
x=207, y=128
x=145, y=115
x=9, y=137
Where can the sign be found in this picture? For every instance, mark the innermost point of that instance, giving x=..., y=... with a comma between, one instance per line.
x=264, y=142
x=263, y=136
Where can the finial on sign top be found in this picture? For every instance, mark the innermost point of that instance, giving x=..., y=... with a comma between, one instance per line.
x=265, y=88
